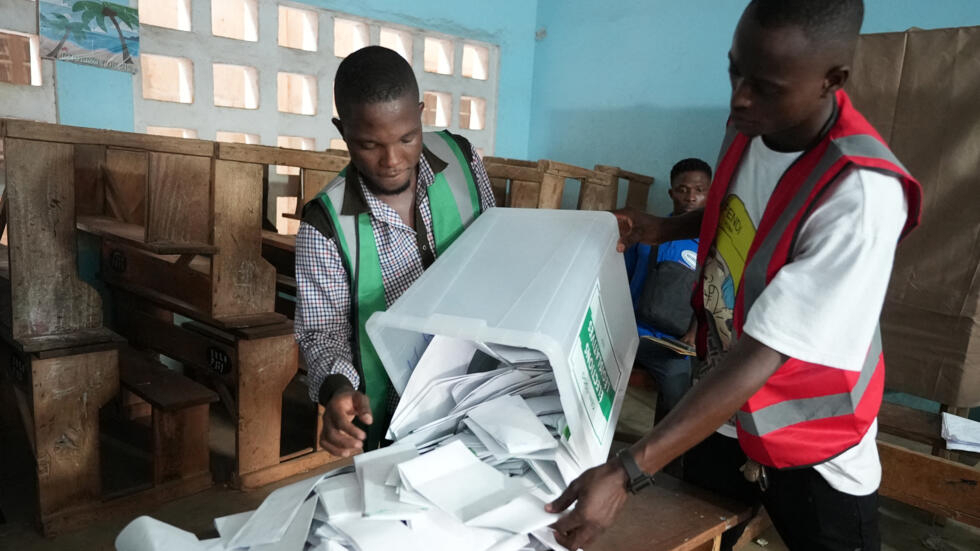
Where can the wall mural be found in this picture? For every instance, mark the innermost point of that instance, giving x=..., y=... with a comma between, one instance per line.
x=104, y=34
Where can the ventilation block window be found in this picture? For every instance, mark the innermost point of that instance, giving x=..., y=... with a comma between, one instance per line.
x=172, y=14
x=297, y=93
x=438, y=56
x=236, y=19
x=438, y=109
x=298, y=28
x=167, y=78
x=349, y=36
x=236, y=86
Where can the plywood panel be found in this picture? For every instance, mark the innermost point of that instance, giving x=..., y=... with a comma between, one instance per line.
x=552, y=186
x=47, y=296
x=244, y=283
x=77, y=135
x=125, y=185
x=524, y=194
x=179, y=196
x=265, y=367
x=67, y=394
x=313, y=182
x=90, y=179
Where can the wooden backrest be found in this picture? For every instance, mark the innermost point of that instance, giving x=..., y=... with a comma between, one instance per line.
x=45, y=294
x=637, y=193
x=529, y=184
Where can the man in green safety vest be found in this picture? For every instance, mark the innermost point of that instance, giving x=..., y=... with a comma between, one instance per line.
x=370, y=233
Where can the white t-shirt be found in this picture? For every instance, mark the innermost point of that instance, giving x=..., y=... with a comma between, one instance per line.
x=823, y=306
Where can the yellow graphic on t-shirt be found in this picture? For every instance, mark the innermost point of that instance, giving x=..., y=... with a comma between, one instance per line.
x=725, y=265
x=734, y=237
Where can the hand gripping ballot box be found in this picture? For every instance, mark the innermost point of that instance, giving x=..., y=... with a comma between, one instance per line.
x=546, y=280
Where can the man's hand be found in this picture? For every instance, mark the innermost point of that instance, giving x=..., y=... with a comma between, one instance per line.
x=640, y=227
x=600, y=493
x=340, y=436
x=634, y=227
x=690, y=337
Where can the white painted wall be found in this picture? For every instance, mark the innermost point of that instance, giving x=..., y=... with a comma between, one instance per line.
x=20, y=101
x=200, y=46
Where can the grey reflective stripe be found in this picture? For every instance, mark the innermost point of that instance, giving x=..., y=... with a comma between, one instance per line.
x=791, y=412
x=860, y=145
x=335, y=191
x=455, y=177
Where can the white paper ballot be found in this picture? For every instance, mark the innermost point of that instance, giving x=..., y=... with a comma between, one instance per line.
x=548, y=472
x=381, y=501
x=380, y=535
x=149, y=534
x=271, y=520
x=544, y=405
x=295, y=537
x=454, y=480
x=961, y=433
x=512, y=424
x=444, y=532
x=520, y=516
x=228, y=526
x=498, y=385
x=496, y=450
x=514, y=355
x=341, y=496
x=468, y=384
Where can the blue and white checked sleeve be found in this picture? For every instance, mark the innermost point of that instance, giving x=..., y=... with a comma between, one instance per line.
x=322, y=322
x=482, y=181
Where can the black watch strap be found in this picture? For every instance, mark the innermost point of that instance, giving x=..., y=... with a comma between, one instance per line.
x=638, y=479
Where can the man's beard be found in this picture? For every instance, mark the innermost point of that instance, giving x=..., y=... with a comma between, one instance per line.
x=378, y=190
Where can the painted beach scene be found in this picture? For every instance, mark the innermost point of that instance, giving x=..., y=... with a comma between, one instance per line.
x=105, y=34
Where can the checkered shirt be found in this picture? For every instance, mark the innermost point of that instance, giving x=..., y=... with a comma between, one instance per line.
x=322, y=321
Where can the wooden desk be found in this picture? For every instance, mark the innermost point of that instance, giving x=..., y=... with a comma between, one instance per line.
x=672, y=515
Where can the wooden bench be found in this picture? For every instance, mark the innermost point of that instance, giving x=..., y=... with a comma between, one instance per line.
x=637, y=191
x=934, y=482
x=249, y=367
x=528, y=184
x=180, y=421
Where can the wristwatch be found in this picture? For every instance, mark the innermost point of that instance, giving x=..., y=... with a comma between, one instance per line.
x=637, y=478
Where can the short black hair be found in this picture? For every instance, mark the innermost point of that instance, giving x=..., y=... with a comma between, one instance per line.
x=823, y=21
x=689, y=165
x=372, y=75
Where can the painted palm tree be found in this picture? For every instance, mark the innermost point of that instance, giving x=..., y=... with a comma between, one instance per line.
x=99, y=11
x=62, y=24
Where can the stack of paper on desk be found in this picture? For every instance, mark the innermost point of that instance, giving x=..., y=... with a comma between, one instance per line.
x=961, y=433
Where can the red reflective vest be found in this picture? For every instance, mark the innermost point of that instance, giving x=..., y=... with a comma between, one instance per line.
x=805, y=413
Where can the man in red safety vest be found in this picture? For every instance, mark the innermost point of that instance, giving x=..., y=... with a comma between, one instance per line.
x=797, y=241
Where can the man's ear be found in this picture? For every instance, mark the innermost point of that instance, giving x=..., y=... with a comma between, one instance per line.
x=836, y=78
x=421, y=107
x=338, y=125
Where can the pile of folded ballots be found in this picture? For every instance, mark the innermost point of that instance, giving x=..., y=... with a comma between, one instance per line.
x=476, y=455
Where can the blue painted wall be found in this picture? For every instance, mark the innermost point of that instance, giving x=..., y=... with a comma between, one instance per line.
x=94, y=97
x=101, y=98
x=643, y=83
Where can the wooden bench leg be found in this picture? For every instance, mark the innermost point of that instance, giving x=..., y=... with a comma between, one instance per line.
x=67, y=394
x=180, y=443
x=265, y=367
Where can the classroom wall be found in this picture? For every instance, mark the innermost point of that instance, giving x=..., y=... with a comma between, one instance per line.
x=643, y=83
x=101, y=98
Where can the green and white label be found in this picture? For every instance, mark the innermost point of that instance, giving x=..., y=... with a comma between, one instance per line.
x=594, y=367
